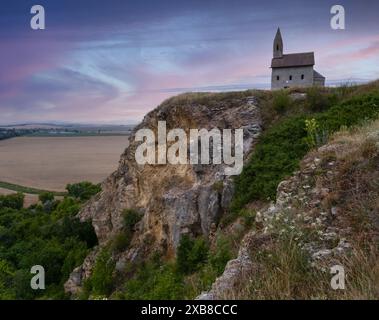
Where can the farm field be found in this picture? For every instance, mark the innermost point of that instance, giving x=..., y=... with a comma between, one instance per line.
x=50, y=163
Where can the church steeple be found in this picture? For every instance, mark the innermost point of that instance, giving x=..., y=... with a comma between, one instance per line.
x=278, y=45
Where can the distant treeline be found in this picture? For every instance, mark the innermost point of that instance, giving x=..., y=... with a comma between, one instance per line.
x=6, y=134
x=53, y=132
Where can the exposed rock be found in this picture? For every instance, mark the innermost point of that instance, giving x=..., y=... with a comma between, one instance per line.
x=236, y=270
x=75, y=281
x=174, y=199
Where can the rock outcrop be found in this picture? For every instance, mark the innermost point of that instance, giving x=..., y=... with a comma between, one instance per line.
x=173, y=199
x=319, y=206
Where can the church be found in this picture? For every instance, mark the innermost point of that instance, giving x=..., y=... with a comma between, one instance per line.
x=293, y=70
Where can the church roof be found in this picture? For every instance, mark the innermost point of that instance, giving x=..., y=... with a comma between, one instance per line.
x=294, y=60
x=317, y=75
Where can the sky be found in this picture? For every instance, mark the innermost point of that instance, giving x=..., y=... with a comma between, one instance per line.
x=112, y=61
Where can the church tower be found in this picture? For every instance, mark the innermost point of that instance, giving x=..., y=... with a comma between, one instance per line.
x=278, y=45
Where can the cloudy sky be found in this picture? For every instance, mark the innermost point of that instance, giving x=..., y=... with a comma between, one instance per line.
x=111, y=61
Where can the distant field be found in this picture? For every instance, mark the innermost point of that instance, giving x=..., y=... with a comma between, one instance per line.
x=50, y=163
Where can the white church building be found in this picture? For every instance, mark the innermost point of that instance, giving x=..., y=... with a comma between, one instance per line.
x=294, y=69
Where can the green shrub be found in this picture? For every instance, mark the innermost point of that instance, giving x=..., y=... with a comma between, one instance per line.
x=282, y=101
x=121, y=241
x=6, y=279
x=101, y=280
x=318, y=99
x=218, y=186
x=191, y=254
x=46, y=196
x=13, y=201
x=68, y=207
x=154, y=280
x=83, y=190
x=221, y=255
x=73, y=259
x=130, y=218
x=276, y=156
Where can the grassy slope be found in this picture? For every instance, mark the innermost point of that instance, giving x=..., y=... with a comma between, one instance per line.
x=282, y=146
x=285, y=269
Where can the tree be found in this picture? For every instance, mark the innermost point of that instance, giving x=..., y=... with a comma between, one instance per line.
x=102, y=276
x=83, y=190
x=13, y=201
x=46, y=196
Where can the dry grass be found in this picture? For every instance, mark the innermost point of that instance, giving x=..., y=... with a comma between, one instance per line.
x=51, y=163
x=285, y=271
x=286, y=274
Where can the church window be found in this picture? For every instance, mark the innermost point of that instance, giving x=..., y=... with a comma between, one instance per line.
x=302, y=77
x=290, y=77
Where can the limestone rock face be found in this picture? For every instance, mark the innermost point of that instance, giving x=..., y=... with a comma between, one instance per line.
x=174, y=199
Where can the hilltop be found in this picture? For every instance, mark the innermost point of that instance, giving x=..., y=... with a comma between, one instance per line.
x=156, y=217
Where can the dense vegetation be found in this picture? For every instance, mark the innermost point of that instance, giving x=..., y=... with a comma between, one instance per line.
x=83, y=190
x=46, y=234
x=194, y=269
x=283, y=145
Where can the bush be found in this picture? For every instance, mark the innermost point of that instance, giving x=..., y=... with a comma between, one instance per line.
x=154, y=280
x=101, y=280
x=13, y=201
x=281, y=101
x=68, y=207
x=121, y=241
x=222, y=254
x=191, y=254
x=319, y=100
x=83, y=190
x=46, y=196
x=130, y=218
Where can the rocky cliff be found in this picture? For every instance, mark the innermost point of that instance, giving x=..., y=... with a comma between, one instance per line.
x=172, y=199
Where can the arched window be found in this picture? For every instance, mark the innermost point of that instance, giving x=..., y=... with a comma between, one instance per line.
x=277, y=47
x=302, y=77
x=290, y=78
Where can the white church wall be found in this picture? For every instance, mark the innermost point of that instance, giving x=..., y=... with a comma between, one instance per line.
x=284, y=75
